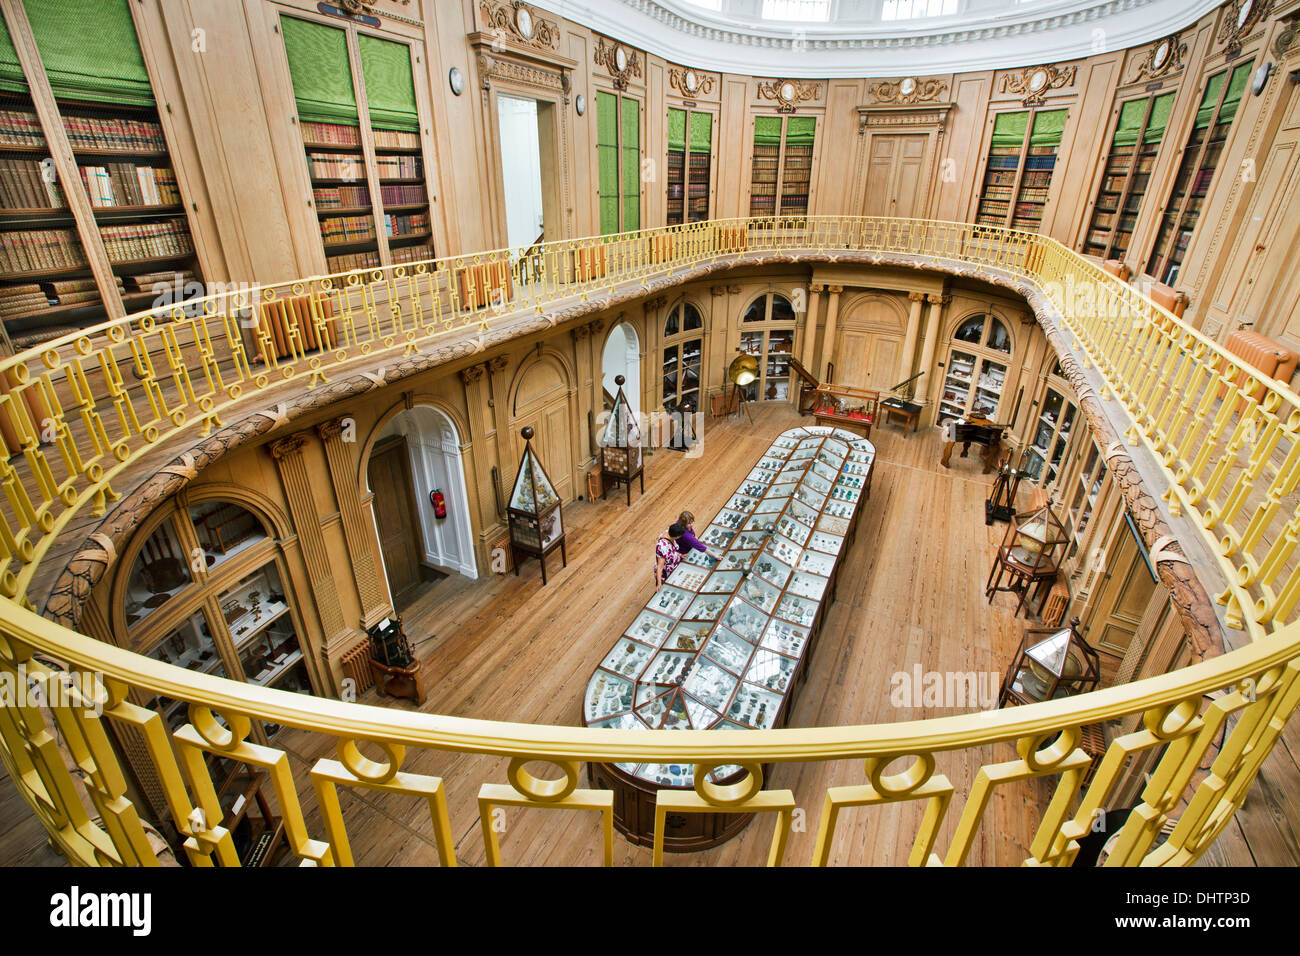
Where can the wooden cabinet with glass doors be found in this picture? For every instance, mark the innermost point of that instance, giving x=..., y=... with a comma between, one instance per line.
x=767, y=332
x=206, y=591
x=1046, y=451
x=683, y=349
x=975, y=373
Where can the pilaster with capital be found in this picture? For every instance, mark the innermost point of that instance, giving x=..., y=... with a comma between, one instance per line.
x=808, y=354
x=905, y=369
x=828, y=339
x=927, y=384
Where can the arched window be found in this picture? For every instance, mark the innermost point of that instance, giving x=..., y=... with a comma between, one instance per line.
x=683, y=351
x=770, y=337
x=975, y=370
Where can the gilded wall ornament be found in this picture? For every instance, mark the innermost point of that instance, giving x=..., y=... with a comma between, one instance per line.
x=1033, y=83
x=621, y=61
x=788, y=93
x=1161, y=58
x=690, y=82
x=1239, y=18
x=910, y=89
x=520, y=22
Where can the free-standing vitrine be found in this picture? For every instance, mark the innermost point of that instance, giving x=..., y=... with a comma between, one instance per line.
x=536, y=519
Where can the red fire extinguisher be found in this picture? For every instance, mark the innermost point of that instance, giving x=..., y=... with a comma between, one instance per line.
x=439, y=503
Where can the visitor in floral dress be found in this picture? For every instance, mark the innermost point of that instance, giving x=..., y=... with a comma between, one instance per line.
x=667, y=557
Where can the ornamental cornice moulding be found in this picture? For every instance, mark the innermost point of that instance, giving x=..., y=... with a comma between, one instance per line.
x=494, y=67
x=690, y=82
x=1033, y=83
x=788, y=93
x=519, y=22
x=1161, y=58
x=621, y=61
x=908, y=90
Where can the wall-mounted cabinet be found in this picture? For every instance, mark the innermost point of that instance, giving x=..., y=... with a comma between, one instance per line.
x=618, y=153
x=690, y=165
x=975, y=371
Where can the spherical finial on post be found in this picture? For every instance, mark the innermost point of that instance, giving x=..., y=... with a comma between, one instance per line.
x=527, y=432
x=619, y=380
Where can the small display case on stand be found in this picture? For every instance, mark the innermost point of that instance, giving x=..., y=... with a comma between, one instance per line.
x=620, y=446
x=846, y=407
x=536, y=522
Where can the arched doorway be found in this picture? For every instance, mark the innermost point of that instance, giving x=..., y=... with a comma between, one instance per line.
x=622, y=356
x=543, y=398
x=416, y=453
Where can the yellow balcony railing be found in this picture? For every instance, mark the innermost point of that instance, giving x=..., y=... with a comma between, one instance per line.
x=79, y=413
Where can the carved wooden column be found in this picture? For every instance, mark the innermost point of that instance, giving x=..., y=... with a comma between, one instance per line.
x=339, y=636
x=375, y=603
x=905, y=369
x=828, y=340
x=926, y=384
x=808, y=355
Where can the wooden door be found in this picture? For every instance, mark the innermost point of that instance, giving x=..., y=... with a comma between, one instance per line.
x=866, y=359
x=395, y=516
x=1126, y=590
x=542, y=401
x=895, y=176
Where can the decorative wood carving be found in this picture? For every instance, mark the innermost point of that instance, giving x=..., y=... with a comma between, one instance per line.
x=519, y=22
x=888, y=115
x=1163, y=57
x=288, y=445
x=621, y=61
x=495, y=67
x=472, y=374
x=788, y=93
x=497, y=363
x=1033, y=83
x=1239, y=18
x=691, y=82
x=658, y=302
x=907, y=90
x=1286, y=38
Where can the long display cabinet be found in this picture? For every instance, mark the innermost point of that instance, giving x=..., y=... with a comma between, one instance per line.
x=725, y=644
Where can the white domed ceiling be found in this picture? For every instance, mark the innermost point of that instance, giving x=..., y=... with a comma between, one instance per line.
x=833, y=38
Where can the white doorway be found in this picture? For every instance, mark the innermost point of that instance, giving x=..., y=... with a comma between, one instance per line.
x=433, y=446
x=521, y=170
x=622, y=356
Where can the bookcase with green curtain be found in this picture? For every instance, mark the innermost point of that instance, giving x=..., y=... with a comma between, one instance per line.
x=618, y=155
x=690, y=158
x=1018, y=174
x=361, y=176
x=1133, y=148
x=1219, y=103
x=781, y=175
x=91, y=58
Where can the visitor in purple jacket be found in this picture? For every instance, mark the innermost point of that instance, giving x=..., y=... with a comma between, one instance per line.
x=688, y=542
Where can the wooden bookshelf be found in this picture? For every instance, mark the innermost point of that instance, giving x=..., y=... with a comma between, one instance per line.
x=781, y=174
x=1019, y=168
x=690, y=162
x=1219, y=103
x=47, y=285
x=1139, y=129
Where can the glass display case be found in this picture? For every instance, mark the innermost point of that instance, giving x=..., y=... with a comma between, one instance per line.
x=258, y=616
x=536, y=519
x=620, y=446
x=723, y=644
x=159, y=573
x=845, y=406
x=190, y=646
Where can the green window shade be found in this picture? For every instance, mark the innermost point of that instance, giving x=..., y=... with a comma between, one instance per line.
x=1009, y=129
x=1205, y=112
x=1048, y=127
x=1236, y=87
x=1130, y=122
x=90, y=50
x=767, y=131
x=799, y=130
x=1159, y=120
x=390, y=91
x=631, y=119
x=607, y=155
x=677, y=129
x=701, y=132
x=318, y=65
x=11, y=74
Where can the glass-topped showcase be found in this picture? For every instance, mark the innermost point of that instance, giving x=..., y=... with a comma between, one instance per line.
x=620, y=446
x=536, y=520
x=721, y=644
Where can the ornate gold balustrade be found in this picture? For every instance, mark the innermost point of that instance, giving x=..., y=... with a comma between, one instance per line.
x=78, y=413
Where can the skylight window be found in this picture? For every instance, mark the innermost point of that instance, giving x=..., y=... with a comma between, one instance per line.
x=807, y=11
x=916, y=9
